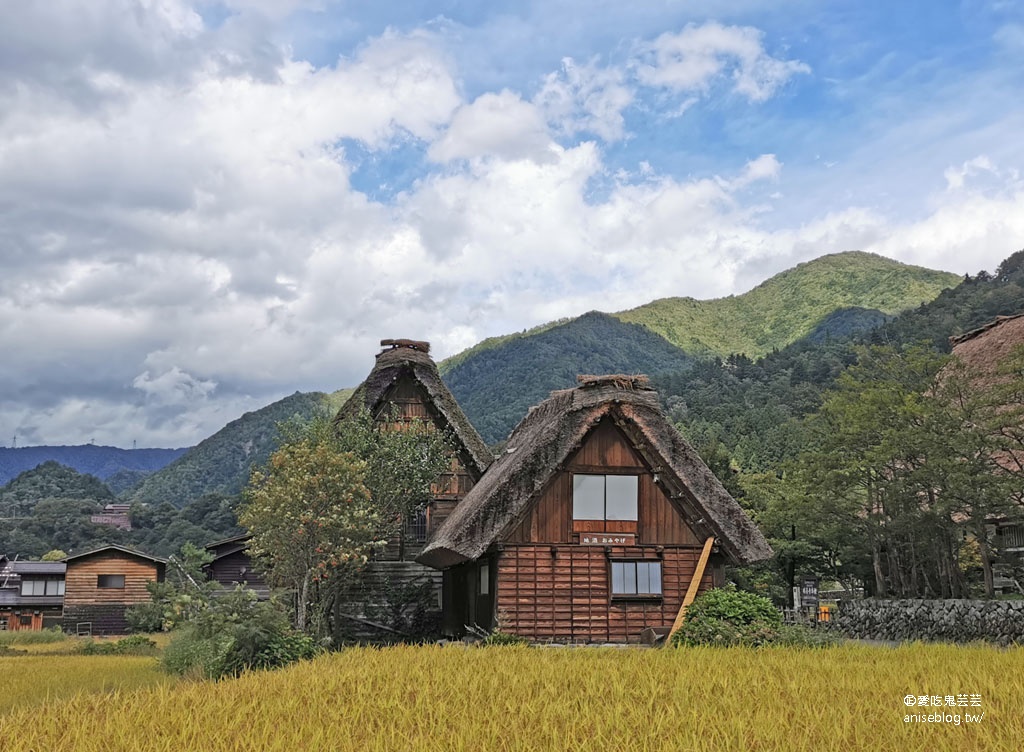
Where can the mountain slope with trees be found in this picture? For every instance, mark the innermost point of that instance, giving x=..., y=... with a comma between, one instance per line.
x=221, y=463
x=790, y=305
x=497, y=386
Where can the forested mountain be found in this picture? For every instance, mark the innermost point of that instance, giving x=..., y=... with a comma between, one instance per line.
x=746, y=409
x=497, y=386
x=221, y=463
x=49, y=507
x=790, y=305
x=830, y=298
x=101, y=461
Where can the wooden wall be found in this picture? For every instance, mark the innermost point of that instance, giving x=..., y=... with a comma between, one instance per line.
x=606, y=449
x=551, y=588
x=81, y=577
x=565, y=596
x=103, y=608
x=237, y=568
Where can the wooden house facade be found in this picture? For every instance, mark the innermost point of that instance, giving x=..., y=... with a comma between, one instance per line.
x=231, y=566
x=404, y=386
x=591, y=525
x=31, y=594
x=101, y=584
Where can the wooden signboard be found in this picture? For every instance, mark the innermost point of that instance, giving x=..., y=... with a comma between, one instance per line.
x=607, y=539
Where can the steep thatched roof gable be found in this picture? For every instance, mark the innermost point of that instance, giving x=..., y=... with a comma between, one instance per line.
x=410, y=357
x=552, y=432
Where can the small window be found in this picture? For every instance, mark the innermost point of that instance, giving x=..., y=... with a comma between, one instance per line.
x=110, y=581
x=638, y=578
x=25, y=620
x=33, y=587
x=55, y=587
x=485, y=579
x=604, y=497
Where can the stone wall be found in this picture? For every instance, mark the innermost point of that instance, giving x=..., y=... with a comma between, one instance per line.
x=950, y=620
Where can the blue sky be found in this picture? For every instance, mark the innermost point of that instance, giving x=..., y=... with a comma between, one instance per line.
x=208, y=205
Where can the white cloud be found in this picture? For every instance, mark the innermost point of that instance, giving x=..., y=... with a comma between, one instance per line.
x=495, y=125
x=694, y=58
x=586, y=98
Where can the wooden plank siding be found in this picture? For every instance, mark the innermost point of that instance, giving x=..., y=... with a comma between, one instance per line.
x=85, y=602
x=549, y=520
x=550, y=588
x=565, y=595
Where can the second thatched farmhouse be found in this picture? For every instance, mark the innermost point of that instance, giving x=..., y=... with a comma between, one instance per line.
x=591, y=525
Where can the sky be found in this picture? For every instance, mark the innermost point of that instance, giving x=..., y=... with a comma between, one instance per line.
x=208, y=205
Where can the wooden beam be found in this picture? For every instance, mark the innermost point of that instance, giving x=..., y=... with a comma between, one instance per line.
x=691, y=591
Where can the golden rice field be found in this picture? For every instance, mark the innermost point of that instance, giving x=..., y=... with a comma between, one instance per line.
x=408, y=699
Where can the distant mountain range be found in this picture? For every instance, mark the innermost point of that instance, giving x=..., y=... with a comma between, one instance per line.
x=101, y=461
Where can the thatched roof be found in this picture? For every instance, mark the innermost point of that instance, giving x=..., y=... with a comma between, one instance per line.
x=549, y=435
x=984, y=348
x=410, y=357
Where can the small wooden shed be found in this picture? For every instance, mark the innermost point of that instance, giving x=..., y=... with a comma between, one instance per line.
x=589, y=527
x=101, y=584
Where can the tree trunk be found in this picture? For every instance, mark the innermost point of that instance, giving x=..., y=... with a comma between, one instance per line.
x=986, y=560
x=300, y=609
x=876, y=560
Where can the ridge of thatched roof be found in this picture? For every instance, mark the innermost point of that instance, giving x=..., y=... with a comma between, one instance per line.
x=959, y=339
x=548, y=436
x=411, y=356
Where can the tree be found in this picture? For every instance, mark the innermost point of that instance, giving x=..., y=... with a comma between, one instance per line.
x=310, y=515
x=404, y=461
x=54, y=555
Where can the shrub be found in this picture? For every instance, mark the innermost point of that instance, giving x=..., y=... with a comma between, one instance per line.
x=236, y=633
x=145, y=617
x=726, y=616
x=32, y=637
x=131, y=645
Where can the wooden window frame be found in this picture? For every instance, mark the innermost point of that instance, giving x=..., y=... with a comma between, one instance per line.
x=605, y=525
x=636, y=596
x=103, y=581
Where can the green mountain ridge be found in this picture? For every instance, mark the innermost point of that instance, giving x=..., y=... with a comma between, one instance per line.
x=789, y=306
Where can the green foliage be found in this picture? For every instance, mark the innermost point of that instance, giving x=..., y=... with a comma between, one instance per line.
x=310, y=514
x=499, y=638
x=497, y=385
x=235, y=633
x=145, y=617
x=790, y=305
x=726, y=616
x=54, y=555
x=32, y=637
x=131, y=645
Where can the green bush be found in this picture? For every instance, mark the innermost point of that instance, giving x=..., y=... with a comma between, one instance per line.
x=235, y=633
x=726, y=616
x=131, y=645
x=145, y=617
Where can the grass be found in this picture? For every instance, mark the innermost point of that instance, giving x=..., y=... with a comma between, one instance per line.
x=511, y=698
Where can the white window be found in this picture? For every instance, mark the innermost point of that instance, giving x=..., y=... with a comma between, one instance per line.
x=485, y=579
x=636, y=578
x=605, y=497
x=42, y=587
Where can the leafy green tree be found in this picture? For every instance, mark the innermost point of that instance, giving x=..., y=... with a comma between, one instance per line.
x=310, y=516
x=54, y=555
x=404, y=460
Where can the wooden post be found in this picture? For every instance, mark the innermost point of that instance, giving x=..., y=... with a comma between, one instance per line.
x=691, y=591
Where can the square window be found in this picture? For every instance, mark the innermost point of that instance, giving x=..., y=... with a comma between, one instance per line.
x=605, y=497
x=110, y=581
x=588, y=497
x=639, y=578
